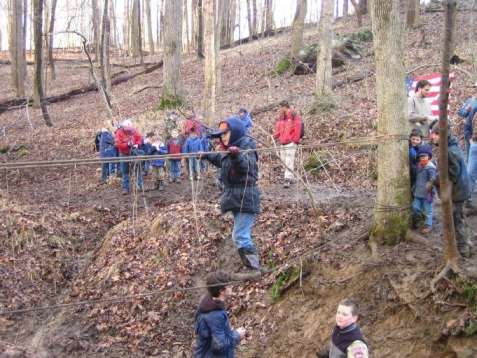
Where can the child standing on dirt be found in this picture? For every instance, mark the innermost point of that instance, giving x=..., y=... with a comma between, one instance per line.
x=215, y=337
x=106, y=150
x=415, y=141
x=193, y=144
x=423, y=189
x=174, y=146
x=157, y=165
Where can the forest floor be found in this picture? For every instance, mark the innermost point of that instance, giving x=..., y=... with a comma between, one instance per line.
x=67, y=239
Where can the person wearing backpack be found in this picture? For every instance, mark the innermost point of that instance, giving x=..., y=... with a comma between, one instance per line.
x=289, y=131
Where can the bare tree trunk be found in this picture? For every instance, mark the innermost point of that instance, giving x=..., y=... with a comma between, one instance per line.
x=126, y=26
x=114, y=24
x=224, y=21
x=232, y=18
x=451, y=253
x=172, y=87
x=345, y=8
x=363, y=6
x=51, y=30
x=296, y=36
x=185, y=18
x=249, y=19
x=24, y=33
x=269, y=17
x=413, y=13
x=323, y=62
x=391, y=213
x=136, y=38
x=147, y=4
x=357, y=10
x=104, y=55
x=17, y=52
x=211, y=61
x=200, y=29
x=96, y=31
x=37, y=80
x=254, y=18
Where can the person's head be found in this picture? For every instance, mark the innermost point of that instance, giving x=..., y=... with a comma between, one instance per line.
x=126, y=123
x=174, y=133
x=347, y=313
x=150, y=135
x=193, y=132
x=232, y=129
x=284, y=107
x=424, y=154
x=415, y=138
x=218, y=284
x=242, y=112
x=422, y=88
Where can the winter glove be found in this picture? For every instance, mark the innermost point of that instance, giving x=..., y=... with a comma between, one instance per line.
x=234, y=151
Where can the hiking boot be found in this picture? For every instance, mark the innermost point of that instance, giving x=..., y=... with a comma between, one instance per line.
x=125, y=192
x=178, y=180
x=249, y=258
x=286, y=184
x=425, y=229
x=161, y=185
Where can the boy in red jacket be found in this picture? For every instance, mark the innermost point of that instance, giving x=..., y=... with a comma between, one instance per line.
x=288, y=133
x=174, y=146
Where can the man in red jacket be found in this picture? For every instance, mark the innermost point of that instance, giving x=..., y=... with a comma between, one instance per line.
x=127, y=139
x=288, y=133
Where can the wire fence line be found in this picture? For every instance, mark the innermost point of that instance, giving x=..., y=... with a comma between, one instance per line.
x=140, y=158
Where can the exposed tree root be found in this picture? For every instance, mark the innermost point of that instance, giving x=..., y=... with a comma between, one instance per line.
x=450, y=267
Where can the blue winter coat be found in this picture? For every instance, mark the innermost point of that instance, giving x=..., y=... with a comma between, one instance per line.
x=468, y=115
x=215, y=338
x=247, y=121
x=106, y=145
x=153, y=150
x=424, y=175
x=193, y=145
x=413, y=162
x=458, y=172
x=239, y=174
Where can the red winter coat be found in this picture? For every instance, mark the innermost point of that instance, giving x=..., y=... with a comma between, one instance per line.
x=192, y=123
x=174, y=146
x=288, y=128
x=125, y=138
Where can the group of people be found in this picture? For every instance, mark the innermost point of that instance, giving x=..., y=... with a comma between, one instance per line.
x=424, y=174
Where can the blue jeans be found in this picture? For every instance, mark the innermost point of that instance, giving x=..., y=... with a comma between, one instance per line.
x=137, y=172
x=242, y=231
x=194, y=167
x=472, y=166
x=424, y=207
x=174, y=169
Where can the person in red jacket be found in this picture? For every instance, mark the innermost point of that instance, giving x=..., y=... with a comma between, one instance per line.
x=174, y=146
x=288, y=134
x=128, y=140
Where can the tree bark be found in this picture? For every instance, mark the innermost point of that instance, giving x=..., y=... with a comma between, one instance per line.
x=200, y=29
x=345, y=8
x=147, y=4
x=96, y=30
x=269, y=17
x=323, y=62
x=363, y=6
x=37, y=80
x=254, y=19
x=296, y=36
x=16, y=46
x=357, y=10
x=413, y=13
x=114, y=25
x=51, y=30
x=391, y=213
x=185, y=17
x=104, y=56
x=450, y=247
x=172, y=87
x=249, y=18
x=126, y=26
x=136, y=33
x=211, y=67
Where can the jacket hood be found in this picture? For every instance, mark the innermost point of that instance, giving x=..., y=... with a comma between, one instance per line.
x=237, y=129
x=425, y=149
x=208, y=304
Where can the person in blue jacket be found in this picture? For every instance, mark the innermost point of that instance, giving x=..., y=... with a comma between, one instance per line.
x=157, y=165
x=215, y=337
x=239, y=175
x=106, y=150
x=246, y=118
x=193, y=144
x=467, y=111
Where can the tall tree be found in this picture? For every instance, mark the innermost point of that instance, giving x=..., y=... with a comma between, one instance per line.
x=211, y=67
x=147, y=4
x=269, y=17
x=296, y=38
x=96, y=29
x=413, y=13
x=16, y=46
x=357, y=10
x=363, y=6
x=200, y=28
x=323, y=62
x=391, y=215
x=104, y=54
x=254, y=18
x=136, y=33
x=172, y=87
x=51, y=30
x=114, y=24
x=37, y=80
x=345, y=8
x=249, y=19
x=126, y=26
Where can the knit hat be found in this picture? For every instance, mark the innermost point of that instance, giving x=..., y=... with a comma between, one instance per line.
x=416, y=132
x=424, y=150
x=127, y=123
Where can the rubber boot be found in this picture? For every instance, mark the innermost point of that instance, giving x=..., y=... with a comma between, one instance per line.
x=250, y=260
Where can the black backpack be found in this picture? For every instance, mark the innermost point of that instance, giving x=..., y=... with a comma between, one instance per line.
x=97, y=138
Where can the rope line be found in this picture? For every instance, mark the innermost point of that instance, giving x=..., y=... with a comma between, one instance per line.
x=140, y=158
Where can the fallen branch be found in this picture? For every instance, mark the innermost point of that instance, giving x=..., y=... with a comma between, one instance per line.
x=145, y=88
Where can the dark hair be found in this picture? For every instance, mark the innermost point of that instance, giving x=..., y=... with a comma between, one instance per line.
x=349, y=303
x=284, y=104
x=416, y=132
x=150, y=134
x=422, y=84
x=216, y=282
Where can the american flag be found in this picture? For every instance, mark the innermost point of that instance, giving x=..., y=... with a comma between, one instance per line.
x=433, y=94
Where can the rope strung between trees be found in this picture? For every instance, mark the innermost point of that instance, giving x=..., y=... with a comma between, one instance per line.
x=139, y=158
